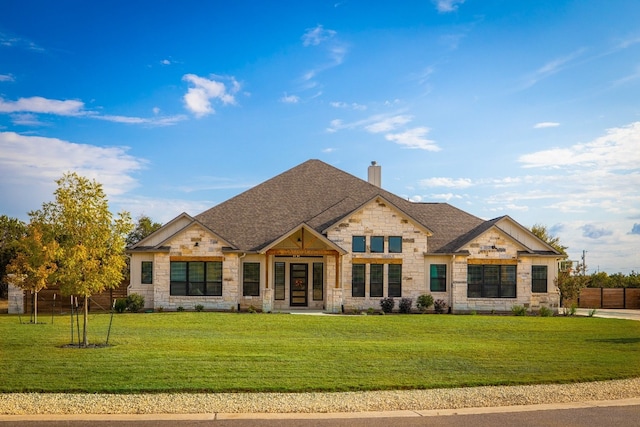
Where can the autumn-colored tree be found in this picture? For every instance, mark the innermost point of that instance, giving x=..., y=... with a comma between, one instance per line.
x=34, y=264
x=91, y=240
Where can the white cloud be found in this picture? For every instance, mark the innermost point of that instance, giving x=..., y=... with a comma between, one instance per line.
x=153, y=121
x=414, y=138
x=317, y=35
x=352, y=106
x=6, y=78
x=29, y=165
x=446, y=6
x=38, y=104
x=543, y=125
x=165, y=62
x=552, y=67
x=26, y=119
x=410, y=138
x=290, y=99
x=446, y=182
x=388, y=124
x=617, y=150
x=198, y=98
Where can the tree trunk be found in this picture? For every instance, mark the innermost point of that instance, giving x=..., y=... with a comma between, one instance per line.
x=85, y=341
x=35, y=308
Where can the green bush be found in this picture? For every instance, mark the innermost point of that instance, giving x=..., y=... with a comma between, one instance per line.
x=387, y=304
x=135, y=302
x=440, y=306
x=199, y=307
x=405, y=305
x=121, y=305
x=180, y=308
x=519, y=310
x=424, y=302
x=545, y=312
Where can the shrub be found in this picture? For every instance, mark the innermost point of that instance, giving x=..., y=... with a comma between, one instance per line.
x=370, y=310
x=518, y=310
x=405, y=305
x=545, y=312
x=424, y=302
x=387, y=304
x=135, y=302
x=439, y=306
x=592, y=312
x=180, y=308
x=121, y=305
x=199, y=307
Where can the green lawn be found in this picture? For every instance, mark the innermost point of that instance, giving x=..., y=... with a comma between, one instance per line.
x=222, y=352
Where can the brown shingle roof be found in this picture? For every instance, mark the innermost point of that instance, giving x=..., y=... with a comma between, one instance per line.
x=318, y=195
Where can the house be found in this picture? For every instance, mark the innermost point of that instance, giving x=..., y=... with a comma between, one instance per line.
x=318, y=238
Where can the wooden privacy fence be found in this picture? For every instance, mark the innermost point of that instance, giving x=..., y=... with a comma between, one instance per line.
x=47, y=304
x=609, y=298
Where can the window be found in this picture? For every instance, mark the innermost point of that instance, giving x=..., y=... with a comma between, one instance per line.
x=394, y=282
x=377, y=244
x=318, y=281
x=395, y=244
x=147, y=273
x=196, y=278
x=376, y=278
x=438, y=278
x=251, y=279
x=357, y=280
x=358, y=244
x=491, y=281
x=539, y=278
x=279, y=281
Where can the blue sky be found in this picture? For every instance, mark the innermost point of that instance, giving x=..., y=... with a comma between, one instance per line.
x=522, y=108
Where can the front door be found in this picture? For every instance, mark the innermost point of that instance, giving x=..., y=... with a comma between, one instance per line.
x=298, y=285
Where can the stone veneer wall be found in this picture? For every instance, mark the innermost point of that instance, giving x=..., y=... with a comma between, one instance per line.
x=494, y=247
x=208, y=246
x=379, y=219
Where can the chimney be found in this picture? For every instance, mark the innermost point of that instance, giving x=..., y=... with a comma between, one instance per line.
x=375, y=174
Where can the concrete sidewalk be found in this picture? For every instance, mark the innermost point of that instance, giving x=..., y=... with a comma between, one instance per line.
x=611, y=313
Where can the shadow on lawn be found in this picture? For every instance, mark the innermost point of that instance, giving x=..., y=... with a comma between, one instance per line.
x=617, y=340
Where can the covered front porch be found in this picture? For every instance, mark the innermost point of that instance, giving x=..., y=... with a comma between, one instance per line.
x=303, y=273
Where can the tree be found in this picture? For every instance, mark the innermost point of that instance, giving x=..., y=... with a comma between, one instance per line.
x=34, y=263
x=570, y=283
x=543, y=234
x=144, y=227
x=11, y=231
x=91, y=241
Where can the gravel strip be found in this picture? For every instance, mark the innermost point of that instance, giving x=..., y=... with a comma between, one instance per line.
x=414, y=400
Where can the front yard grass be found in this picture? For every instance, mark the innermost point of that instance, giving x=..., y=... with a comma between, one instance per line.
x=231, y=352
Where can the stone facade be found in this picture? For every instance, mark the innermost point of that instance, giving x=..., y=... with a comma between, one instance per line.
x=334, y=253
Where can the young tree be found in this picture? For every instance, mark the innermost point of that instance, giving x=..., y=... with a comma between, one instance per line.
x=570, y=283
x=34, y=263
x=11, y=231
x=91, y=256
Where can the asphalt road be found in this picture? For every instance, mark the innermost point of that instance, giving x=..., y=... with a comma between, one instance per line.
x=618, y=416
